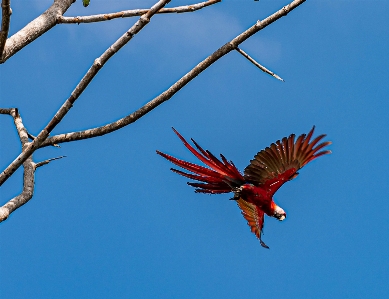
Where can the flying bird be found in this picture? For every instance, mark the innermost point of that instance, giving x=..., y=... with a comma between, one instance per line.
x=254, y=189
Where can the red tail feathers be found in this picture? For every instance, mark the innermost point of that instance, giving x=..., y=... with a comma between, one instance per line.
x=220, y=177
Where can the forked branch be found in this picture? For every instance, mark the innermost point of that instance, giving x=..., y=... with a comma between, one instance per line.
x=168, y=94
x=29, y=168
x=54, y=15
x=81, y=86
x=35, y=28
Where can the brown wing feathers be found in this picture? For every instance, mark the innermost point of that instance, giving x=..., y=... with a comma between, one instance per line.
x=284, y=155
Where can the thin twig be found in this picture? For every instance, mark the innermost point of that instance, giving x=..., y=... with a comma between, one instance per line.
x=261, y=67
x=5, y=22
x=48, y=161
x=6, y=110
x=133, y=13
x=230, y=46
x=91, y=73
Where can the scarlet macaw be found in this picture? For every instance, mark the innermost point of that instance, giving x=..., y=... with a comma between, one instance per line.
x=266, y=173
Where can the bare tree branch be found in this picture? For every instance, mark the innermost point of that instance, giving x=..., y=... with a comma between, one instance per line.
x=28, y=165
x=48, y=161
x=5, y=21
x=29, y=168
x=22, y=132
x=6, y=110
x=28, y=187
x=133, y=13
x=27, y=193
x=166, y=95
x=91, y=73
x=54, y=15
x=261, y=67
x=35, y=28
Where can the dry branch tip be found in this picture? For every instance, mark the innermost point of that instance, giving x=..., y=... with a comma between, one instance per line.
x=48, y=161
x=260, y=66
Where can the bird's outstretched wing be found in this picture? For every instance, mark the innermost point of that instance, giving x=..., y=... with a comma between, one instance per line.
x=254, y=217
x=279, y=163
x=220, y=177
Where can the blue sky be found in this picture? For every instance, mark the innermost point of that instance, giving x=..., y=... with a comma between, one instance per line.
x=111, y=220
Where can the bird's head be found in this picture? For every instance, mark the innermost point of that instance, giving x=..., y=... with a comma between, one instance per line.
x=279, y=213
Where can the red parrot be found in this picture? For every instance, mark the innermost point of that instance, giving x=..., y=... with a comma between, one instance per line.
x=266, y=173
